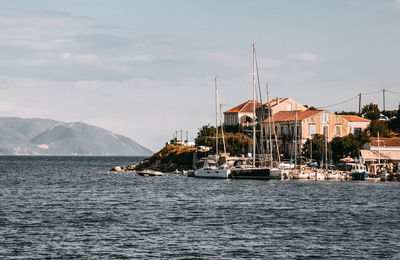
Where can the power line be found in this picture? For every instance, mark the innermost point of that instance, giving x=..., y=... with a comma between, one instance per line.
x=393, y=92
x=340, y=103
x=363, y=93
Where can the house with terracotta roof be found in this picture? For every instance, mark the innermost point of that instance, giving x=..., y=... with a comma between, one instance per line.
x=309, y=122
x=241, y=114
x=280, y=104
x=356, y=124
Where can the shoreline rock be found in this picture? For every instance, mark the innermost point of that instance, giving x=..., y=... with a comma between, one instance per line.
x=169, y=159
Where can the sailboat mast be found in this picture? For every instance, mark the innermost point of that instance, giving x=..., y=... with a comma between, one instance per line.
x=254, y=107
x=295, y=141
x=216, y=117
x=222, y=128
x=269, y=126
x=379, y=151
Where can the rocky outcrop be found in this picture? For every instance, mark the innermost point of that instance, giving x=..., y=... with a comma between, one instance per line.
x=168, y=159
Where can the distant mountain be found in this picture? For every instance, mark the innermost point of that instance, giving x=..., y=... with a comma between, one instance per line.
x=20, y=136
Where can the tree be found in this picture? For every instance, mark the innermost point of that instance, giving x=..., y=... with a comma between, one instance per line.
x=350, y=113
x=349, y=145
x=232, y=128
x=394, y=123
x=317, y=142
x=371, y=111
x=310, y=107
x=236, y=143
x=378, y=126
x=206, y=130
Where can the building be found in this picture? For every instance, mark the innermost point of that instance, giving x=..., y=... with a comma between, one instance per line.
x=384, y=150
x=280, y=104
x=309, y=122
x=356, y=124
x=241, y=114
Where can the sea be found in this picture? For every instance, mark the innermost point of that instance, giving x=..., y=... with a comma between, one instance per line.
x=74, y=208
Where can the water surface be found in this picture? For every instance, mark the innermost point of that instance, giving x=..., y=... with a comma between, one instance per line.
x=70, y=207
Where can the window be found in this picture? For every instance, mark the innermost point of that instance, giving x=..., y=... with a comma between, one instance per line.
x=357, y=130
x=231, y=120
x=338, y=130
x=325, y=117
x=289, y=107
x=312, y=130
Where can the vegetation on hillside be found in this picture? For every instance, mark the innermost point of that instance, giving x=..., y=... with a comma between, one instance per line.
x=170, y=158
x=236, y=143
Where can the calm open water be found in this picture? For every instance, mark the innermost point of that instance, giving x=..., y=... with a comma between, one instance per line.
x=70, y=207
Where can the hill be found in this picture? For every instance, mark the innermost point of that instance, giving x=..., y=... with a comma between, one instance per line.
x=19, y=136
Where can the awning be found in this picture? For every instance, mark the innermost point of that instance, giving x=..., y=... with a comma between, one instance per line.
x=370, y=155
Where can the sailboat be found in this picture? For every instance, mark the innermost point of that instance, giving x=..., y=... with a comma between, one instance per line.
x=275, y=173
x=214, y=166
x=245, y=168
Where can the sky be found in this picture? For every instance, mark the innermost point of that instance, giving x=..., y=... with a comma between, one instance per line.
x=145, y=69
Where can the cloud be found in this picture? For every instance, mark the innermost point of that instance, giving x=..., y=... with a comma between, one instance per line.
x=354, y=4
x=396, y=4
x=58, y=14
x=305, y=57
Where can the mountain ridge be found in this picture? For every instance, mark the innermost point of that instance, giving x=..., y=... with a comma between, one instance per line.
x=38, y=136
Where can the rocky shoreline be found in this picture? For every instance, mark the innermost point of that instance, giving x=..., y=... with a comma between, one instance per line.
x=171, y=158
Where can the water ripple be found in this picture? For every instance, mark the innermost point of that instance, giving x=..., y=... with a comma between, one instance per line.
x=70, y=207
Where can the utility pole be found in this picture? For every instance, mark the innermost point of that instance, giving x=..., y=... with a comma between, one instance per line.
x=359, y=103
x=384, y=100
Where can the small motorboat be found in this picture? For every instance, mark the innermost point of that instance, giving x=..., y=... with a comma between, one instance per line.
x=149, y=173
x=359, y=172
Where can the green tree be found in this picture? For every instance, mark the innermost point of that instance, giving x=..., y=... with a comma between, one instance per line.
x=371, y=111
x=351, y=113
x=206, y=130
x=349, y=145
x=394, y=123
x=232, y=128
x=317, y=142
x=236, y=143
x=378, y=126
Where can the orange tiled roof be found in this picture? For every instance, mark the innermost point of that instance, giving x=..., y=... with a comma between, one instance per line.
x=274, y=102
x=384, y=141
x=283, y=116
x=244, y=107
x=352, y=118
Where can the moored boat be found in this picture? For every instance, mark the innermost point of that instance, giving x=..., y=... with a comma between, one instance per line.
x=359, y=172
x=243, y=169
x=149, y=173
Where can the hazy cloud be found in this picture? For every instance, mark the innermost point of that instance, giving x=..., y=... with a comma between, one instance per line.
x=306, y=57
x=396, y=4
